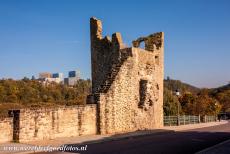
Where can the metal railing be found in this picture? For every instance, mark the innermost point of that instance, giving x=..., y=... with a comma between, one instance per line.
x=186, y=119
x=170, y=120
x=209, y=118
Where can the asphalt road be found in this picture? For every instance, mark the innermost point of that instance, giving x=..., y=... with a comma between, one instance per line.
x=185, y=142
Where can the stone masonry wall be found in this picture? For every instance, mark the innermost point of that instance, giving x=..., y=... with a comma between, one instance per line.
x=105, y=53
x=6, y=129
x=42, y=124
x=130, y=97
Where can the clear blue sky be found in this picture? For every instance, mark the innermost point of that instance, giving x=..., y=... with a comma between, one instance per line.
x=53, y=35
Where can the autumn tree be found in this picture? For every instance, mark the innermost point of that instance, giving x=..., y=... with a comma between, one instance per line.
x=188, y=103
x=200, y=104
x=33, y=93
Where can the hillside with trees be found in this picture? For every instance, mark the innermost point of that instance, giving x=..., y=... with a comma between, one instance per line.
x=194, y=101
x=173, y=85
x=171, y=101
x=32, y=93
x=223, y=95
x=25, y=93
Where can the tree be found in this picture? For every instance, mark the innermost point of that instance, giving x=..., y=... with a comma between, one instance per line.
x=188, y=103
x=28, y=93
x=201, y=104
x=207, y=105
x=224, y=99
x=170, y=103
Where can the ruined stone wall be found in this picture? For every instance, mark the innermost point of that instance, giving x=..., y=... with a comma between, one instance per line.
x=6, y=129
x=121, y=108
x=105, y=52
x=44, y=123
x=131, y=98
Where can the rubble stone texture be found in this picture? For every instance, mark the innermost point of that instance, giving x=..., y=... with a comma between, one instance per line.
x=57, y=122
x=127, y=82
x=6, y=129
x=49, y=123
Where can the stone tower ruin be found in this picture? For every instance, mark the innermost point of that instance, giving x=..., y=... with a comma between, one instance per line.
x=127, y=82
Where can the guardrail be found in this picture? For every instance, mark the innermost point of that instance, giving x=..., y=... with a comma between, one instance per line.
x=187, y=119
x=210, y=118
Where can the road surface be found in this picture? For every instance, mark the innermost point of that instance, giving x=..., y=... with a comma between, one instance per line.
x=184, y=142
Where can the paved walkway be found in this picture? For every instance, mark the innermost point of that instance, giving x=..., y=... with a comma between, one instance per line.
x=99, y=138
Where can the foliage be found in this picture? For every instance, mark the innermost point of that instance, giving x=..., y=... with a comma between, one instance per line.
x=173, y=85
x=32, y=93
x=222, y=94
x=188, y=102
x=170, y=103
x=194, y=101
x=200, y=104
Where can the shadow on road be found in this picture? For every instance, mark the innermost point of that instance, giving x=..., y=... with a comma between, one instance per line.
x=157, y=142
x=176, y=142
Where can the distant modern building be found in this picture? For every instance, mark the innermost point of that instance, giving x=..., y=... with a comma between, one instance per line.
x=47, y=77
x=57, y=75
x=74, y=76
x=33, y=78
x=72, y=81
x=50, y=80
x=66, y=81
x=44, y=75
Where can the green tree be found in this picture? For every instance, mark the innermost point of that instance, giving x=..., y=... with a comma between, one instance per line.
x=171, y=103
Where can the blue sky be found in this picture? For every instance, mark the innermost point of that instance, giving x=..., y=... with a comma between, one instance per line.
x=53, y=35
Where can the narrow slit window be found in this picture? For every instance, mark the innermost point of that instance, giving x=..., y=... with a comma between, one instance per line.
x=157, y=60
x=142, y=92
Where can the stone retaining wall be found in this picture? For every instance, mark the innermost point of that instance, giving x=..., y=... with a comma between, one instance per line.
x=58, y=122
x=48, y=123
x=6, y=129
